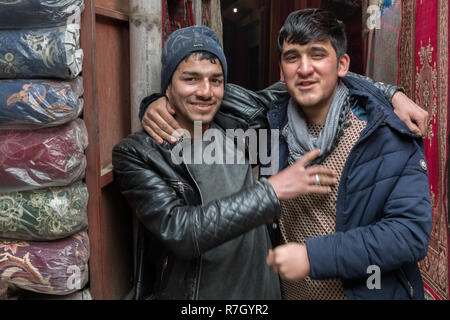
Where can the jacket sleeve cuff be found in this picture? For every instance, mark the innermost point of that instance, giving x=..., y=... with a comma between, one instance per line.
x=322, y=257
x=393, y=91
x=272, y=195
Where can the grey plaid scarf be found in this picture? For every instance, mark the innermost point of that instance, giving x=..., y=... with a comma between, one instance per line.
x=300, y=141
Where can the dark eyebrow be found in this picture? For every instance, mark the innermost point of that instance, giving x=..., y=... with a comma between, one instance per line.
x=196, y=74
x=191, y=73
x=313, y=48
x=318, y=48
x=289, y=52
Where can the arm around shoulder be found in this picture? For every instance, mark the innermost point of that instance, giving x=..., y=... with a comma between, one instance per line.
x=248, y=107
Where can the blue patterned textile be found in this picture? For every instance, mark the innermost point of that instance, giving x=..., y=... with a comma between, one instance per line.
x=41, y=53
x=33, y=103
x=37, y=13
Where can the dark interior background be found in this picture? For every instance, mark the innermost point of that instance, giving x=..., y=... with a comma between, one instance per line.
x=250, y=34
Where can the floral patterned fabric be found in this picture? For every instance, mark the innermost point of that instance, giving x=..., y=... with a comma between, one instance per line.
x=34, y=159
x=37, y=13
x=41, y=53
x=31, y=104
x=424, y=70
x=58, y=267
x=44, y=214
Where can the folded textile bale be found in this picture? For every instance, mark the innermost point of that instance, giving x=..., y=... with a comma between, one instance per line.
x=3, y=291
x=10, y=292
x=35, y=159
x=44, y=214
x=83, y=294
x=56, y=267
x=32, y=104
x=41, y=53
x=37, y=13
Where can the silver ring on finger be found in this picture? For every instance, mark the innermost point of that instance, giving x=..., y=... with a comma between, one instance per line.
x=317, y=180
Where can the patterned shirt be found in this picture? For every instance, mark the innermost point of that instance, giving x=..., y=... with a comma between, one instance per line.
x=314, y=215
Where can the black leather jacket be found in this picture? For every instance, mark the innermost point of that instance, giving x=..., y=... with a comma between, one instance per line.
x=175, y=228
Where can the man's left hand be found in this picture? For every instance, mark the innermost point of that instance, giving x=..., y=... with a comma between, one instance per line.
x=415, y=117
x=290, y=261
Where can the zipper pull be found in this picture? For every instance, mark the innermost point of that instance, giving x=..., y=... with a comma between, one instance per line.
x=180, y=186
x=164, y=267
x=411, y=289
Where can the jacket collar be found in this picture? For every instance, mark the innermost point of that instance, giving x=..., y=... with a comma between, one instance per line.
x=277, y=114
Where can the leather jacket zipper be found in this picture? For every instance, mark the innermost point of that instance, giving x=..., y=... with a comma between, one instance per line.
x=180, y=186
x=197, y=285
x=164, y=267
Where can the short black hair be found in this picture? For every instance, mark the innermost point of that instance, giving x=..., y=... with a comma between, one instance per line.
x=312, y=25
x=202, y=55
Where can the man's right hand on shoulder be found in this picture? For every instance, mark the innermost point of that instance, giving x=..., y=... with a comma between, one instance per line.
x=297, y=179
x=159, y=121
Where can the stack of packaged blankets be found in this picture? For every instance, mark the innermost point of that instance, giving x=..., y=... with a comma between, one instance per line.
x=44, y=247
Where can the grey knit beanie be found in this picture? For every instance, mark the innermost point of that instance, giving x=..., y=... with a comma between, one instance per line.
x=184, y=41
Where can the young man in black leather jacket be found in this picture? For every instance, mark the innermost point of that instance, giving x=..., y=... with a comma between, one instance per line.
x=202, y=224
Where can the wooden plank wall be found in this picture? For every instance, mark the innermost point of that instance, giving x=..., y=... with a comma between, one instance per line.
x=106, y=74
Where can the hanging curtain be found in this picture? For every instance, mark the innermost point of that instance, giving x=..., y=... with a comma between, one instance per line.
x=423, y=72
x=176, y=14
x=206, y=13
x=382, y=40
x=212, y=16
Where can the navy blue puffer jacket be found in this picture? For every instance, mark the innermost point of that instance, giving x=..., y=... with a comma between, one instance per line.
x=383, y=211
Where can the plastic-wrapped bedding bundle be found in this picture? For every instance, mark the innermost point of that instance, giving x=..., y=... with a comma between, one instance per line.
x=37, y=13
x=35, y=159
x=44, y=214
x=57, y=267
x=41, y=53
x=30, y=104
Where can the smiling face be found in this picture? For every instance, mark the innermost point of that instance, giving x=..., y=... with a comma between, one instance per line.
x=196, y=91
x=312, y=73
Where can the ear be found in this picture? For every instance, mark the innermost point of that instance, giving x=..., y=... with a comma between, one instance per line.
x=281, y=73
x=168, y=91
x=343, y=65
